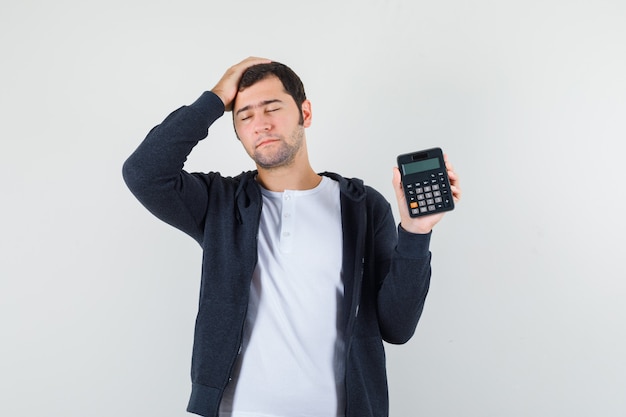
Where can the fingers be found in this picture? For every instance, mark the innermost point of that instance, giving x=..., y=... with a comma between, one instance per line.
x=396, y=182
x=226, y=88
x=397, y=187
x=455, y=186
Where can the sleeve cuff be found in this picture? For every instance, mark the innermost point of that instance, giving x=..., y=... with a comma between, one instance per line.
x=413, y=245
x=209, y=105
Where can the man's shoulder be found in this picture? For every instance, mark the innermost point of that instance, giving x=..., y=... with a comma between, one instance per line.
x=353, y=188
x=356, y=189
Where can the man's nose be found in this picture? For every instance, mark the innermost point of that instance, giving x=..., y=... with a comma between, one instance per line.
x=262, y=124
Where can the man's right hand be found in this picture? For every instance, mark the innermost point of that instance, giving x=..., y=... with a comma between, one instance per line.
x=226, y=88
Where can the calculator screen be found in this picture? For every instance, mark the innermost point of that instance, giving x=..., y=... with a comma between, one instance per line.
x=420, y=166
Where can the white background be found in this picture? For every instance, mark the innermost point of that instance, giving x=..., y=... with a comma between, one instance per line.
x=526, y=315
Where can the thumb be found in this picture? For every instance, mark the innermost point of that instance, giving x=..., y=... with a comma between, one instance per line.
x=397, y=182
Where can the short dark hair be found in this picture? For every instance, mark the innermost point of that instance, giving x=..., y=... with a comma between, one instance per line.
x=290, y=80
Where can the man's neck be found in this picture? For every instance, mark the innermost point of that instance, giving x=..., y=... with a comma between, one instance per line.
x=288, y=178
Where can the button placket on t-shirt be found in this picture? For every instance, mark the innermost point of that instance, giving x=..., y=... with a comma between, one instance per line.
x=287, y=225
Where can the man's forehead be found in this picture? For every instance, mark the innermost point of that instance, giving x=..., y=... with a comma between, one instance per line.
x=270, y=88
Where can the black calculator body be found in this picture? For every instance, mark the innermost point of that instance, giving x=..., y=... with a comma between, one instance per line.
x=425, y=182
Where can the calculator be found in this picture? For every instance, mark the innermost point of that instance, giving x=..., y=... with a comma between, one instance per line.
x=425, y=182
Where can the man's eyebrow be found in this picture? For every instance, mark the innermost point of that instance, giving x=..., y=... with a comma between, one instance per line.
x=260, y=104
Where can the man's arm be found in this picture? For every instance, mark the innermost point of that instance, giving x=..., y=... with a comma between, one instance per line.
x=154, y=172
x=403, y=291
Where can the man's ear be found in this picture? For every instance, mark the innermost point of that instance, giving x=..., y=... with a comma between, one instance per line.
x=307, y=115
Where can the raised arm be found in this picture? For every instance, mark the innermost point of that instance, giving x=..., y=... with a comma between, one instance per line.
x=403, y=291
x=154, y=172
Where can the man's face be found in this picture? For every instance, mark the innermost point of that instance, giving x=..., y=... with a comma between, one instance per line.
x=266, y=120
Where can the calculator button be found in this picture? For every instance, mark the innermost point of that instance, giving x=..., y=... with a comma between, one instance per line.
x=428, y=193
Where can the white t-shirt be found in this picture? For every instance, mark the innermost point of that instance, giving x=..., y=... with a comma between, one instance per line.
x=292, y=358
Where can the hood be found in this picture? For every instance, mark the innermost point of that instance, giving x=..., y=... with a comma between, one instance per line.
x=352, y=188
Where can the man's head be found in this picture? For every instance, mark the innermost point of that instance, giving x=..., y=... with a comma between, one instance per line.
x=289, y=79
x=270, y=113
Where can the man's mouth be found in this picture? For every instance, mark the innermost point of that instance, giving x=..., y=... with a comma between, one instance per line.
x=266, y=141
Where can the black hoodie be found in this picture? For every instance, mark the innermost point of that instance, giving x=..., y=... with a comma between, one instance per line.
x=386, y=270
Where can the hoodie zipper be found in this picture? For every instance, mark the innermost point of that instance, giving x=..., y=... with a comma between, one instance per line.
x=245, y=313
x=356, y=297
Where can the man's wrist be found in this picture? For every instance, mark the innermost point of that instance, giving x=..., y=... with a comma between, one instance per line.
x=416, y=229
x=413, y=244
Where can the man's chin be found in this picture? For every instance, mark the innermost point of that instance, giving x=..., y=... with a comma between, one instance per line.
x=273, y=164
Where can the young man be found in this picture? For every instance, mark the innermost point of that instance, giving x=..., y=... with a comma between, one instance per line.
x=304, y=274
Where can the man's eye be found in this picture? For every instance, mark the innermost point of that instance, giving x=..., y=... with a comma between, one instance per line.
x=244, y=118
x=273, y=109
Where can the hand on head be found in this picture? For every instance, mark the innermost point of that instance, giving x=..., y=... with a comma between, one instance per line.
x=226, y=88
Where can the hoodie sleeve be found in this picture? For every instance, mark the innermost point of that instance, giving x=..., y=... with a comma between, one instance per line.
x=154, y=171
x=402, y=292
